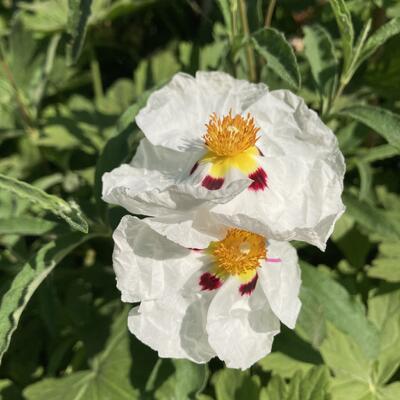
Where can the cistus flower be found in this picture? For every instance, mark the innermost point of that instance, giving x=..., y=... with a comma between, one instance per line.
x=224, y=300
x=258, y=160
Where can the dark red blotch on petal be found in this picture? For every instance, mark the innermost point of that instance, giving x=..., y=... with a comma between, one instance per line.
x=209, y=281
x=212, y=183
x=259, y=176
x=194, y=168
x=248, y=288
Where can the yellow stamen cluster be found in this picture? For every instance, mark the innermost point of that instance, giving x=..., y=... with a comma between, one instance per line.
x=229, y=135
x=240, y=252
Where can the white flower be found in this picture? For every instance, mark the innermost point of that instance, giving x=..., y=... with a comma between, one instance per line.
x=224, y=300
x=260, y=160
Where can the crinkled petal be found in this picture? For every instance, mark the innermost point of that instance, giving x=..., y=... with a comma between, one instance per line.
x=279, y=277
x=175, y=116
x=240, y=328
x=148, y=265
x=174, y=326
x=158, y=180
x=305, y=170
x=193, y=230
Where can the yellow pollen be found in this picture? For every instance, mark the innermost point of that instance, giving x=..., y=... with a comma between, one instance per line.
x=228, y=136
x=240, y=252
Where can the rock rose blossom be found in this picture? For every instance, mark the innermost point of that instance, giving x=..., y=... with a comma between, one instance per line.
x=223, y=300
x=255, y=159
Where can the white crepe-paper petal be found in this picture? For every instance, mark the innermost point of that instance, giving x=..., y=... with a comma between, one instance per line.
x=191, y=230
x=158, y=180
x=175, y=116
x=305, y=171
x=146, y=264
x=174, y=326
x=240, y=328
x=280, y=280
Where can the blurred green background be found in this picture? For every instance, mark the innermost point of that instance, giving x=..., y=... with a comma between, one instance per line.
x=73, y=75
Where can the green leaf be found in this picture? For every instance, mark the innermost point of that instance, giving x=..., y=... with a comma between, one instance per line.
x=78, y=16
x=350, y=365
x=45, y=16
x=382, y=121
x=27, y=281
x=387, y=264
x=108, y=378
x=233, y=384
x=384, y=312
x=25, y=226
x=365, y=170
x=343, y=20
x=373, y=219
x=70, y=212
x=9, y=391
x=272, y=45
x=314, y=385
x=320, y=52
x=283, y=365
x=225, y=8
x=325, y=300
x=188, y=380
x=376, y=40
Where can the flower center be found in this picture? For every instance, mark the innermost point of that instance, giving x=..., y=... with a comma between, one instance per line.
x=240, y=252
x=228, y=136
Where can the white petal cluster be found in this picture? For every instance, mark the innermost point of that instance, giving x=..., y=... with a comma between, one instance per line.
x=179, y=319
x=301, y=157
x=287, y=186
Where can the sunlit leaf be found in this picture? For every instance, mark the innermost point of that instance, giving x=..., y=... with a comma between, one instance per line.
x=325, y=300
x=380, y=120
x=70, y=212
x=280, y=57
x=27, y=281
x=345, y=24
x=320, y=52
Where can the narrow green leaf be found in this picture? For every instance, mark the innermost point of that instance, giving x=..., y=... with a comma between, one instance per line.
x=25, y=226
x=27, y=281
x=330, y=302
x=225, y=8
x=375, y=220
x=377, y=39
x=343, y=19
x=70, y=212
x=365, y=171
x=79, y=12
x=272, y=45
x=382, y=121
x=108, y=379
x=320, y=52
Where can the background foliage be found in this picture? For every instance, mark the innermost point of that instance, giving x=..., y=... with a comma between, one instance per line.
x=73, y=74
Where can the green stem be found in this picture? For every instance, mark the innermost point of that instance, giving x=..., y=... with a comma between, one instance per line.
x=96, y=76
x=252, y=73
x=270, y=12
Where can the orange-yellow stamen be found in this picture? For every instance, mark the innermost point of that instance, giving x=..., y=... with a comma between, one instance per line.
x=228, y=136
x=239, y=253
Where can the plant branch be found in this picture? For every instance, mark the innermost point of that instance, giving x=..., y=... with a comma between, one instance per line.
x=252, y=73
x=270, y=12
